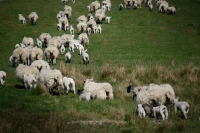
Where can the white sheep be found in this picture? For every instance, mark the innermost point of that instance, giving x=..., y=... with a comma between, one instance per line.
x=83, y=37
x=85, y=57
x=39, y=43
x=17, y=45
x=181, y=106
x=89, y=9
x=33, y=17
x=71, y=29
x=2, y=77
x=73, y=1
x=27, y=41
x=160, y=111
x=51, y=53
x=23, y=69
x=35, y=54
x=86, y=96
x=63, y=23
x=121, y=6
x=68, y=57
x=62, y=49
x=99, y=28
x=68, y=8
x=40, y=64
x=44, y=38
x=99, y=90
x=94, y=6
x=100, y=16
x=29, y=81
x=52, y=79
x=67, y=14
x=22, y=19
x=59, y=15
x=81, y=27
x=141, y=111
x=79, y=47
x=67, y=82
x=171, y=10
x=81, y=18
x=108, y=19
x=89, y=31
x=64, y=2
x=150, y=7
x=20, y=56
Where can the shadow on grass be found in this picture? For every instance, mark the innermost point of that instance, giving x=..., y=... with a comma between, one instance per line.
x=20, y=87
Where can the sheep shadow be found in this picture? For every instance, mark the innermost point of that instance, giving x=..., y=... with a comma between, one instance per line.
x=20, y=87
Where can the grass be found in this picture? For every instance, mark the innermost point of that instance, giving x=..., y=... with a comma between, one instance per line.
x=137, y=47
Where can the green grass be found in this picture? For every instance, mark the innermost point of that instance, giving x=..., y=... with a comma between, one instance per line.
x=137, y=47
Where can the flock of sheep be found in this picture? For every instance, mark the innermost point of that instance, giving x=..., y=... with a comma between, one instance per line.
x=31, y=69
x=162, y=5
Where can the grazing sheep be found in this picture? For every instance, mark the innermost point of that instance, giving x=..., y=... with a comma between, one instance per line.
x=100, y=16
x=39, y=43
x=181, y=106
x=81, y=27
x=99, y=90
x=22, y=19
x=98, y=28
x=64, y=23
x=40, y=64
x=141, y=111
x=83, y=37
x=51, y=79
x=79, y=47
x=160, y=111
x=71, y=29
x=66, y=84
x=158, y=94
x=59, y=15
x=121, y=6
x=2, y=77
x=44, y=38
x=64, y=2
x=36, y=54
x=85, y=57
x=108, y=20
x=33, y=17
x=62, y=49
x=67, y=14
x=27, y=41
x=68, y=57
x=82, y=18
x=51, y=53
x=23, y=69
x=128, y=4
x=53, y=42
x=20, y=56
x=94, y=6
x=29, y=81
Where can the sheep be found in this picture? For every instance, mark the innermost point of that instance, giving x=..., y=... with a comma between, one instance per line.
x=68, y=57
x=81, y=27
x=39, y=43
x=121, y=6
x=100, y=16
x=160, y=111
x=85, y=56
x=64, y=23
x=89, y=31
x=59, y=15
x=40, y=64
x=20, y=56
x=141, y=111
x=89, y=9
x=171, y=10
x=86, y=96
x=94, y=6
x=150, y=7
x=81, y=18
x=108, y=19
x=33, y=17
x=98, y=28
x=83, y=37
x=2, y=77
x=59, y=26
x=53, y=42
x=36, y=54
x=62, y=49
x=182, y=106
x=66, y=84
x=51, y=79
x=44, y=38
x=51, y=53
x=17, y=45
x=67, y=14
x=22, y=20
x=71, y=29
x=99, y=90
x=68, y=8
x=28, y=41
x=128, y=4
x=29, y=81
x=11, y=60
x=23, y=69
x=158, y=94
x=73, y=1
x=64, y=2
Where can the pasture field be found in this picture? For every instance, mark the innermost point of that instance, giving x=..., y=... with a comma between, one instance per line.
x=138, y=47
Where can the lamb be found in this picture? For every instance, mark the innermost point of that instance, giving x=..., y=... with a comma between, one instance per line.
x=52, y=79
x=98, y=28
x=89, y=9
x=182, y=106
x=51, y=53
x=158, y=94
x=66, y=83
x=108, y=19
x=40, y=64
x=85, y=57
x=99, y=90
x=44, y=38
x=36, y=54
x=68, y=57
x=39, y=43
x=71, y=29
x=62, y=49
x=79, y=47
x=22, y=19
x=64, y=2
x=33, y=17
x=128, y=4
x=150, y=7
x=89, y=31
x=2, y=77
x=29, y=81
x=59, y=15
x=160, y=110
x=27, y=41
x=171, y=10
x=73, y=1
x=121, y=6
x=59, y=26
x=86, y=96
x=23, y=69
x=141, y=111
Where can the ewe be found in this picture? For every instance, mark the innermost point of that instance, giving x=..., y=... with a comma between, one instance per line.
x=33, y=17
x=181, y=106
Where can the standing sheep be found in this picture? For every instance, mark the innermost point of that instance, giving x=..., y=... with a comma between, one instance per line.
x=68, y=57
x=181, y=106
x=100, y=90
x=36, y=54
x=85, y=57
x=160, y=111
x=29, y=81
x=22, y=19
x=51, y=53
x=27, y=41
x=108, y=19
x=141, y=111
x=66, y=84
x=39, y=43
x=44, y=38
x=33, y=17
x=71, y=29
x=62, y=49
x=121, y=6
x=2, y=77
